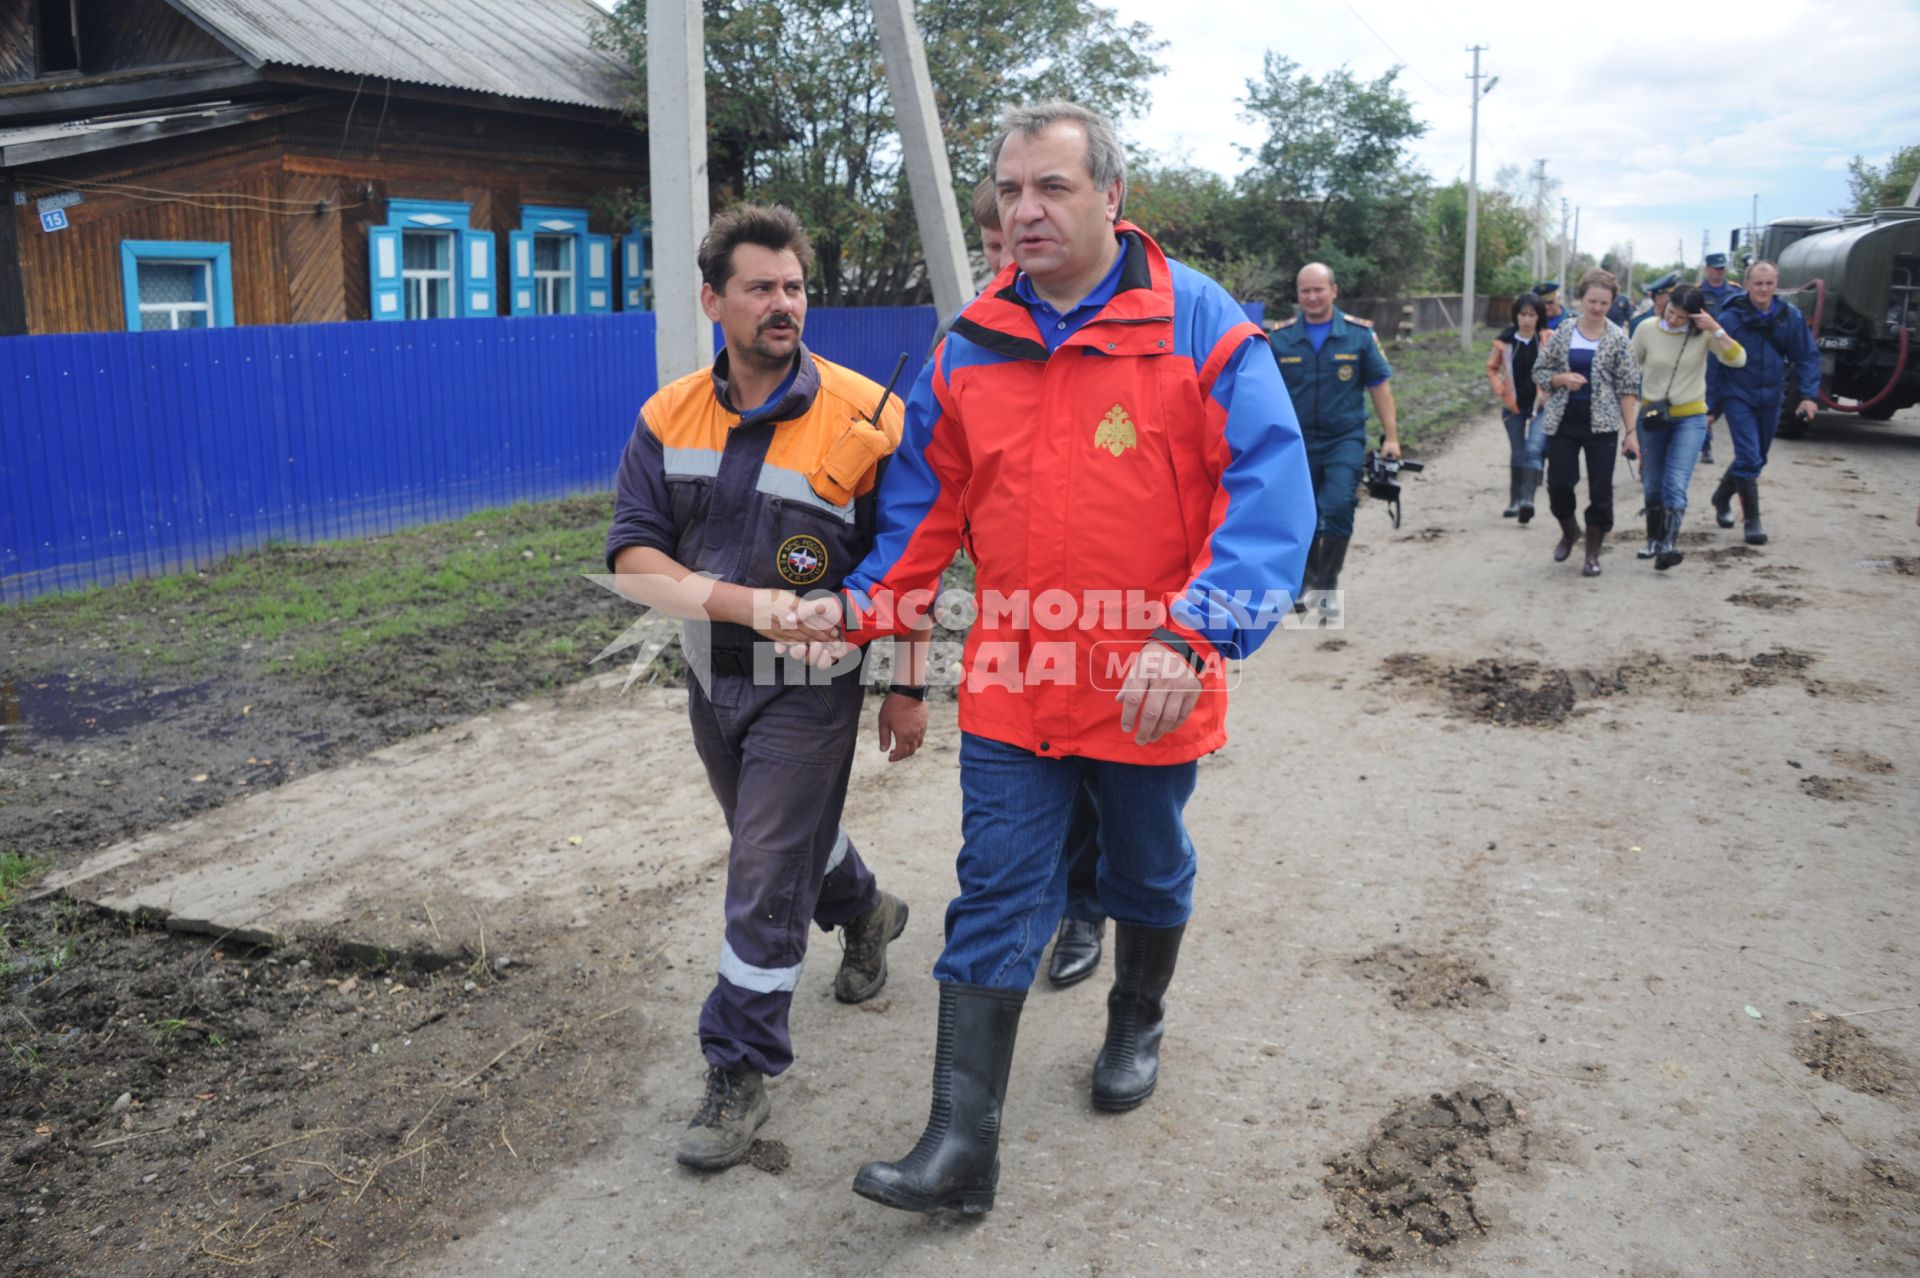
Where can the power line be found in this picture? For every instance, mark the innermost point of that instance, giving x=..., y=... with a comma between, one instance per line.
x=1395, y=52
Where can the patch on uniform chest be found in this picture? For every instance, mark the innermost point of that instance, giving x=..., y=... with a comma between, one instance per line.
x=801, y=560
x=1115, y=432
x=1346, y=372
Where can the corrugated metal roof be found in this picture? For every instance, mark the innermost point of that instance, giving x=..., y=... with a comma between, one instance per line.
x=536, y=49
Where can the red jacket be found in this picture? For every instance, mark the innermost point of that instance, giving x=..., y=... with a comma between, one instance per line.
x=1147, y=474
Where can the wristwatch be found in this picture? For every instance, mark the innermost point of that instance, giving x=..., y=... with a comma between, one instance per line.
x=1194, y=660
x=908, y=690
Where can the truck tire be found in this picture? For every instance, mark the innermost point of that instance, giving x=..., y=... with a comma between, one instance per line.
x=1879, y=412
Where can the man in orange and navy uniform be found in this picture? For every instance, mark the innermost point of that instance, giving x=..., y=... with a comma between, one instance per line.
x=1107, y=434
x=743, y=484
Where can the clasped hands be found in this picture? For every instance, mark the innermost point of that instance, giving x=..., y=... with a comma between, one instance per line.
x=1160, y=691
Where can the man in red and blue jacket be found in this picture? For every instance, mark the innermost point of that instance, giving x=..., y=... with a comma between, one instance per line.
x=1109, y=438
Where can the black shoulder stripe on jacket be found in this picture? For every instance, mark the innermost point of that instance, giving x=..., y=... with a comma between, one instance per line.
x=1000, y=343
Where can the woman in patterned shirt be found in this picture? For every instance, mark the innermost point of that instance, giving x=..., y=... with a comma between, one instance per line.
x=1589, y=367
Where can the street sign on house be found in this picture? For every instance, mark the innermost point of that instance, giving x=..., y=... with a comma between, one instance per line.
x=53, y=220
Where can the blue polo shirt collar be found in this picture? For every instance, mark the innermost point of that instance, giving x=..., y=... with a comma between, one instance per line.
x=1056, y=327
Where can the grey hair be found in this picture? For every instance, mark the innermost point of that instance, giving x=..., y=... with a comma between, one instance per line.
x=1106, y=158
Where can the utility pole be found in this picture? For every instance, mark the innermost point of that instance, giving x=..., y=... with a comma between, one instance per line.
x=677, y=150
x=1706, y=238
x=929, y=175
x=1626, y=279
x=1467, y=296
x=1539, y=219
x=1563, y=241
x=1573, y=250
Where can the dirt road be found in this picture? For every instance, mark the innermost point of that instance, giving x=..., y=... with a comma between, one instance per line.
x=1545, y=925
x=1610, y=881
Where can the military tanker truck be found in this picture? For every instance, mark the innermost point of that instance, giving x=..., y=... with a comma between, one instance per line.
x=1857, y=279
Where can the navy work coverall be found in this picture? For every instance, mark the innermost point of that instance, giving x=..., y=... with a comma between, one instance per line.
x=1329, y=391
x=1750, y=398
x=728, y=495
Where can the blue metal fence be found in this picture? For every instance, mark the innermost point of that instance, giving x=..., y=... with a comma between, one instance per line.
x=136, y=454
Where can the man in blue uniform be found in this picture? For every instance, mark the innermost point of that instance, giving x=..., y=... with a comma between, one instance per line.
x=1715, y=285
x=1656, y=294
x=1332, y=364
x=1548, y=291
x=1777, y=342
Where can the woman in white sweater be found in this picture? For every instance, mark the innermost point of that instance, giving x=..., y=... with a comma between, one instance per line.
x=1672, y=354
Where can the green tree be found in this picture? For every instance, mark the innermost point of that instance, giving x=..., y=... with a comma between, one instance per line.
x=1871, y=187
x=798, y=111
x=1332, y=179
x=1503, y=235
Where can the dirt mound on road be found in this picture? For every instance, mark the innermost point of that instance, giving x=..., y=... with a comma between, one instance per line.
x=1842, y=1053
x=1408, y=1192
x=1421, y=982
x=1766, y=600
x=1510, y=693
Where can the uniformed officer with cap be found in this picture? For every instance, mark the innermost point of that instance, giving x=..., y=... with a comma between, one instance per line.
x=1333, y=364
x=1715, y=285
x=1548, y=291
x=1656, y=295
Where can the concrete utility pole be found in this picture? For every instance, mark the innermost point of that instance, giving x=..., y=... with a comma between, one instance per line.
x=1563, y=241
x=1913, y=195
x=1573, y=248
x=929, y=175
x=677, y=149
x=1539, y=219
x=1473, y=200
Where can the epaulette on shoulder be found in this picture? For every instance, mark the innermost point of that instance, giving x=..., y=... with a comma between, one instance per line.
x=1288, y=322
x=1355, y=319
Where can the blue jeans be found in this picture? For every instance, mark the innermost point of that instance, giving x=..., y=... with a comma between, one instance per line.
x=1083, y=862
x=1752, y=427
x=1335, y=466
x=1015, y=811
x=1668, y=452
x=1526, y=438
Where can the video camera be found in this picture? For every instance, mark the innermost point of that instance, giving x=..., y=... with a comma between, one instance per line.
x=1382, y=484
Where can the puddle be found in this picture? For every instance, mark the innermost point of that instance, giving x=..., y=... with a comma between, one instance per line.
x=57, y=707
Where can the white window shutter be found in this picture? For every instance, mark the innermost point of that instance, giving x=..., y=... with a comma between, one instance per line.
x=478, y=287
x=596, y=282
x=520, y=299
x=633, y=272
x=385, y=298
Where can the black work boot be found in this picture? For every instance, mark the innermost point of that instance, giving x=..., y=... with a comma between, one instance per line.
x=957, y=1160
x=1569, y=533
x=1656, y=520
x=1128, y=1066
x=863, y=941
x=1312, y=573
x=1514, y=481
x=1669, y=552
x=1333, y=557
x=735, y=1106
x=1596, y=537
x=1529, y=485
x=1750, y=507
x=1076, y=950
x=1723, y=499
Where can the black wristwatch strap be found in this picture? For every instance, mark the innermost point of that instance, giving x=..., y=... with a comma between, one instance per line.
x=908, y=690
x=1181, y=646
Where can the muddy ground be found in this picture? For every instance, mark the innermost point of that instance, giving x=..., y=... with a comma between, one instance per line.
x=1545, y=925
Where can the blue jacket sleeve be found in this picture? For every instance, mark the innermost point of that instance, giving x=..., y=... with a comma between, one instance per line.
x=642, y=511
x=1249, y=571
x=1374, y=368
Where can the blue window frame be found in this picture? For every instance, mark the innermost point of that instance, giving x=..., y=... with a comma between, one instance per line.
x=426, y=262
x=557, y=266
x=171, y=284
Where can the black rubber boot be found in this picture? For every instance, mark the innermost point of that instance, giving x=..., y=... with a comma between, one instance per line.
x=1128, y=1066
x=1569, y=534
x=1656, y=520
x=1723, y=500
x=1670, y=553
x=1750, y=507
x=1076, y=951
x=957, y=1160
x=1529, y=485
x=1514, y=482
x=1596, y=538
x=1333, y=557
x=1311, y=575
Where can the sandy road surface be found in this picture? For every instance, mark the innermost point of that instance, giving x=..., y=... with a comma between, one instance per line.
x=1402, y=895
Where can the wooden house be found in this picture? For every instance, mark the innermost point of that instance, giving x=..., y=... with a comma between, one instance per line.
x=193, y=163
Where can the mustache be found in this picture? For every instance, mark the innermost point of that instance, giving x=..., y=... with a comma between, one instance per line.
x=778, y=322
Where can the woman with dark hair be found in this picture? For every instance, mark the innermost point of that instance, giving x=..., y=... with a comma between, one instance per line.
x=1672, y=352
x=1589, y=367
x=1510, y=370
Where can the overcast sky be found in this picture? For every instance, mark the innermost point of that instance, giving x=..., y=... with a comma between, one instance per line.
x=1657, y=130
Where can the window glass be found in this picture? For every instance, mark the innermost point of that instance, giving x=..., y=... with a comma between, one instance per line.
x=426, y=268
x=174, y=294
x=553, y=274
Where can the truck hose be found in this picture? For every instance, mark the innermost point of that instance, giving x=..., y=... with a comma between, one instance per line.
x=1819, y=288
